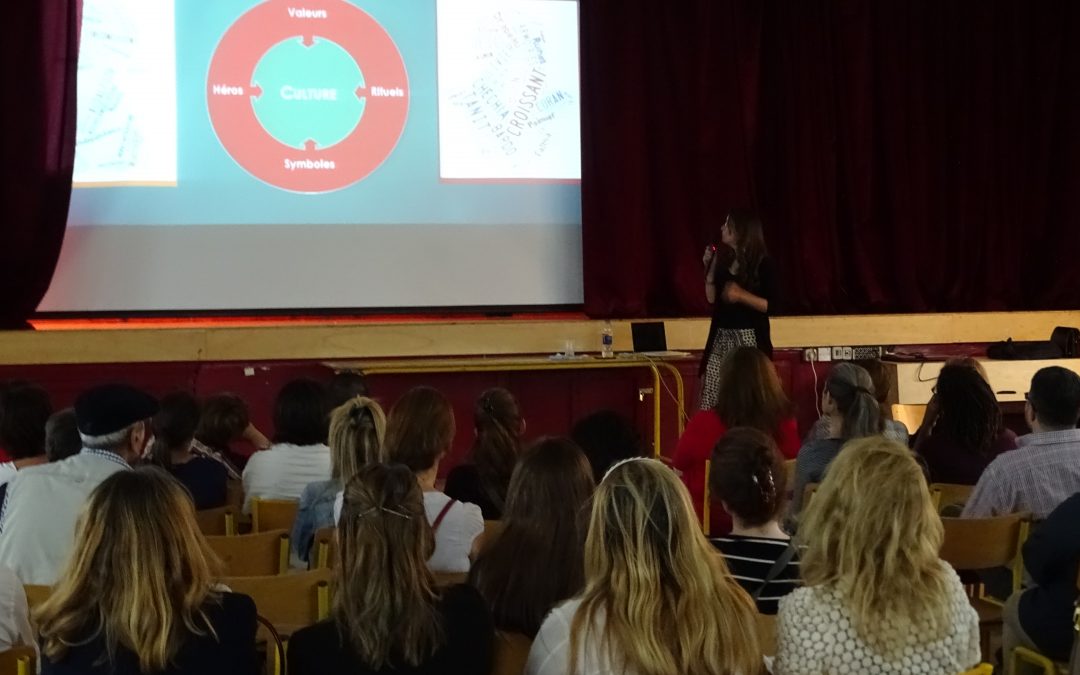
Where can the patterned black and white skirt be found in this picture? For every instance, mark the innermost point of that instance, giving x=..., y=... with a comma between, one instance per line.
x=726, y=340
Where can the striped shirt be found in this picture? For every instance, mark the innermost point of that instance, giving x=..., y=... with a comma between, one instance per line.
x=751, y=558
x=1040, y=474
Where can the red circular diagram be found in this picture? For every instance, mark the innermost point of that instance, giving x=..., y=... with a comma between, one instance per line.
x=231, y=94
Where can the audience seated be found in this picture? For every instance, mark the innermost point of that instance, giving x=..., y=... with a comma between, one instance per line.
x=877, y=599
x=748, y=479
x=62, y=435
x=224, y=421
x=606, y=437
x=418, y=434
x=38, y=517
x=849, y=406
x=962, y=429
x=15, y=630
x=657, y=598
x=1041, y=617
x=387, y=615
x=535, y=561
x=749, y=394
x=346, y=385
x=138, y=595
x=174, y=431
x=1044, y=470
x=24, y=410
x=485, y=478
x=356, y=436
x=299, y=455
x=879, y=375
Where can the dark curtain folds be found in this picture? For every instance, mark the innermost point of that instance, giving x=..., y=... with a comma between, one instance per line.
x=906, y=156
x=38, y=61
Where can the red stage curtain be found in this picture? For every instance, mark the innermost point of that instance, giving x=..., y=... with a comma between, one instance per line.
x=38, y=59
x=907, y=155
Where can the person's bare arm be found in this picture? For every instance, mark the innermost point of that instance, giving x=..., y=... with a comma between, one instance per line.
x=736, y=294
x=709, y=261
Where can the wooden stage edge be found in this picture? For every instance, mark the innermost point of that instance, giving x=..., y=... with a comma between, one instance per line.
x=305, y=341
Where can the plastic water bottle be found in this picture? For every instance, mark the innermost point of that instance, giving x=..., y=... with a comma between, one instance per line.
x=607, y=341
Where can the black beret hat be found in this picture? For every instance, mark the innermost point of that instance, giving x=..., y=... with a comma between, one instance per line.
x=112, y=407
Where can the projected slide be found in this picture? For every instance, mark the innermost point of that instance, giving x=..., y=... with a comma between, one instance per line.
x=126, y=129
x=241, y=154
x=508, y=90
x=310, y=96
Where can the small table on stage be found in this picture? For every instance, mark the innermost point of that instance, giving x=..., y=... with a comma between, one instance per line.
x=477, y=364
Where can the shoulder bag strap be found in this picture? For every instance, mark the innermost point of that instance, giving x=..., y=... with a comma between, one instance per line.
x=774, y=571
x=442, y=514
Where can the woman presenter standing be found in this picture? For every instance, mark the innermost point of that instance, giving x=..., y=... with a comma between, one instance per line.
x=741, y=286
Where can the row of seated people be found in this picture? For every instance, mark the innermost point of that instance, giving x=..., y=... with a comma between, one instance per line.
x=425, y=409
x=961, y=441
x=619, y=578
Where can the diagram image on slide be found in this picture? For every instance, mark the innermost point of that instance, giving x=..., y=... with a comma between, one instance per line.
x=126, y=129
x=508, y=90
x=309, y=96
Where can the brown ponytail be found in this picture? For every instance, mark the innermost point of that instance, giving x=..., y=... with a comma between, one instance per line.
x=498, y=441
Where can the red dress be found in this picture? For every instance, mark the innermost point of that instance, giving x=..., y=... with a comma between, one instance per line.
x=696, y=445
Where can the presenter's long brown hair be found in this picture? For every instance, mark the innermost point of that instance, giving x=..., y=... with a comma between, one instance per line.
x=750, y=247
x=385, y=599
x=667, y=601
x=140, y=574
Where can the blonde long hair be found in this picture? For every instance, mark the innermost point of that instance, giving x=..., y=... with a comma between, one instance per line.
x=357, y=428
x=385, y=603
x=667, y=600
x=139, y=577
x=872, y=533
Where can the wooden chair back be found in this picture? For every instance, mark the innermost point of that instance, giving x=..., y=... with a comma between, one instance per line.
x=510, y=653
x=273, y=514
x=985, y=543
x=950, y=494
x=444, y=579
x=706, y=506
x=35, y=595
x=18, y=661
x=288, y=601
x=234, y=493
x=789, y=475
x=252, y=555
x=217, y=522
x=766, y=627
x=324, y=549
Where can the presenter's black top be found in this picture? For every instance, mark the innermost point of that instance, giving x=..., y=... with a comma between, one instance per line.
x=469, y=638
x=738, y=316
x=232, y=653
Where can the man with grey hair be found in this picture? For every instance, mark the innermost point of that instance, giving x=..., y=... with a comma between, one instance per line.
x=42, y=505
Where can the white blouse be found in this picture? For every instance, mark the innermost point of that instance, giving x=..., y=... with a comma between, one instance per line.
x=550, y=652
x=815, y=635
x=461, y=525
